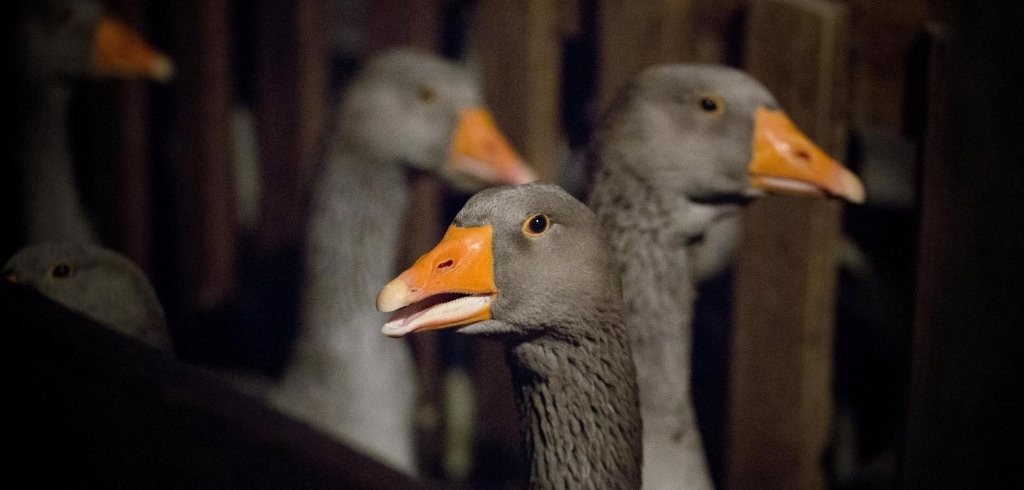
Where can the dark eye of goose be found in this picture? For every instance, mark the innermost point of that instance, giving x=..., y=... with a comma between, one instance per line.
x=711, y=104
x=426, y=95
x=61, y=271
x=536, y=225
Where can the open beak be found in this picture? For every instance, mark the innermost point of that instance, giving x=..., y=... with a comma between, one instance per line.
x=449, y=286
x=122, y=52
x=480, y=150
x=785, y=161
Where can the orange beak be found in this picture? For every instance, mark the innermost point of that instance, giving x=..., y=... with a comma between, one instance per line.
x=121, y=52
x=449, y=286
x=785, y=161
x=11, y=278
x=479, y=149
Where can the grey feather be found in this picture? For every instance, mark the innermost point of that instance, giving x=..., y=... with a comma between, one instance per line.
x=56, y=51
x=559, y=312
x=345, y=378
x=670, y=179
x=99, y=283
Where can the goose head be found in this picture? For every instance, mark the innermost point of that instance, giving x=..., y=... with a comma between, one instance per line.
x=523, y=262
x=528, y=265
x=97, y=282
x=713, y=133
x=427, y=113
x=67, y=39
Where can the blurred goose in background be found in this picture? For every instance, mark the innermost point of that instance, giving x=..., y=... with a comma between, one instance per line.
x=676, y=156
x=530, y=266
x=96, y=282
x=404, y=111
x=62, y=42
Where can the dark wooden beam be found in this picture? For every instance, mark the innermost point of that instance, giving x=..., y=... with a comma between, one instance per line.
x=633, y=35
x=966, y=404
x=291, y=110
x=200, y=247
x=780, y=404
x=519, y=47
x=418, y=25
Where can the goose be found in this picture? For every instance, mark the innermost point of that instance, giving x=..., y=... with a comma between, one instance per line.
x=63, y=41
x=674, y=158
x=404, y=111
x=529, y=266
x=96, y=282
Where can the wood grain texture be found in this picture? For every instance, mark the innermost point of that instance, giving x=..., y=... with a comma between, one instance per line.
x=418, y=25
x=781, y=371
x=520, y=55
x=966, y=403
x=205, y=252
x=290, y=114
x=633, y=35
x=517, y=45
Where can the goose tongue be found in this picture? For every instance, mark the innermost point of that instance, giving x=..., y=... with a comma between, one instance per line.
x=786, y=161
x=449, y=286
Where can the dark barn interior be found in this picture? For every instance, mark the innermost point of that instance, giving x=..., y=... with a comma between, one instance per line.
x=847, y=346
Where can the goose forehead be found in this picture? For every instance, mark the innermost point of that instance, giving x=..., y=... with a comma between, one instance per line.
x=412, y=71
x=696, y=80
x=511, y=204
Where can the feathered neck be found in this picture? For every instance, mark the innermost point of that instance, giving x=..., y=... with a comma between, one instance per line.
x=51, y=201
x=655, y=234
x=579, y=407
x=353, y=237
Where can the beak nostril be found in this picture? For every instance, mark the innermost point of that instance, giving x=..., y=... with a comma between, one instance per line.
x=803, y=155
x=446, y=264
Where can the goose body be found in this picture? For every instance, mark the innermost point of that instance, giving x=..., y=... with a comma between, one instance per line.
x=529, y=266
x=675, y=158
x=63, y=41
x=404, y=110
x=96, y=282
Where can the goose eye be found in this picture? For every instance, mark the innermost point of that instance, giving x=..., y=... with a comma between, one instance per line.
x=426, y=95
x=61, y=271
x=711, y=104
x=536, y=225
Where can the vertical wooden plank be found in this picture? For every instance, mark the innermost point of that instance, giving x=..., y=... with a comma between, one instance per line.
x=394, y=23
x=933, y=261
x=134, y=212
x=413, y=24
x=780, y=390
x=519, y=43
x=291, y=108
x=204, y=243
x=133, y=163
x=113, y=129
x=966, y=402
x=115, y=150
x=633, y=35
